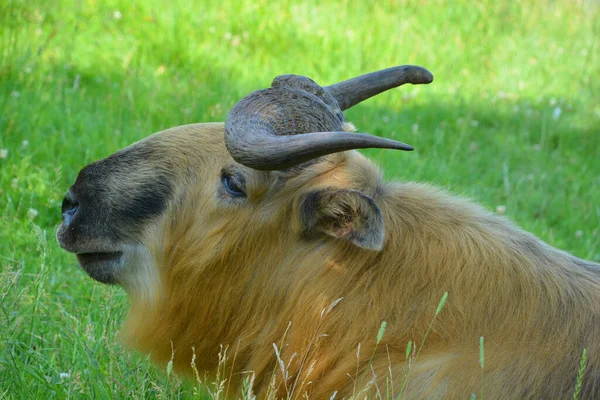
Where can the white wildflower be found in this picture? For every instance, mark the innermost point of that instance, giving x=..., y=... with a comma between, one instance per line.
x=25, y=143
x=556, y=113
x=16, y=94
x=32, y=213
x=117, y=15
x=501, y=210
x=3, y=154
x=578, y=234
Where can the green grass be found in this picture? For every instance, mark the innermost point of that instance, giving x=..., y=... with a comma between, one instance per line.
x=80, y=79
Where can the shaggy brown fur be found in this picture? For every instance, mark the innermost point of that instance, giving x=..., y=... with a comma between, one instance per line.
x=260, y=271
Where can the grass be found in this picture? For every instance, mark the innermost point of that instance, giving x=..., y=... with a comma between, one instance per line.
x=511, y=120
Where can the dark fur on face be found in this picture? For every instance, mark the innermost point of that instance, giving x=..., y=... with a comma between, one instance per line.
x=115, y=198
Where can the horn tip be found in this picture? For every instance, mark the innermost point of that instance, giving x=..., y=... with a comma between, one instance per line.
x=403, y=146
x=428, y=77
x=423, y=76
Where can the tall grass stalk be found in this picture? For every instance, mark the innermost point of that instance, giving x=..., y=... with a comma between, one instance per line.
x=580, y=372
x=481, y=363
x=437, y=311
x=380, y=333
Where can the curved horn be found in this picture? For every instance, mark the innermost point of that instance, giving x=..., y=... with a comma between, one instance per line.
x=280, y=152
x=296, y=120
x=351, y=92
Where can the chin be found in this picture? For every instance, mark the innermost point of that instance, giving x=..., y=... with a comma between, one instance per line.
x=104, y=267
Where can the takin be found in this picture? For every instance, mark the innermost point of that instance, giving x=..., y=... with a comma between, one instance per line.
x=267, y=250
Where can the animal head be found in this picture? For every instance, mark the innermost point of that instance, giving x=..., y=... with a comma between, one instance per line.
x=270, y=181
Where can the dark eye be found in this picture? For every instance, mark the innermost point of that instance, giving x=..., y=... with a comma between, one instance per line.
x=233, y=185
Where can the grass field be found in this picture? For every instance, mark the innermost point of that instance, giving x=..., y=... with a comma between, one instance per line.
x=512, y=120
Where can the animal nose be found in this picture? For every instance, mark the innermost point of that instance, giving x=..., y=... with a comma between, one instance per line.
x=70, y=205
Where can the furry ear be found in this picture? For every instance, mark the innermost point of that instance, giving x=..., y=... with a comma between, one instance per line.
x=343, y=214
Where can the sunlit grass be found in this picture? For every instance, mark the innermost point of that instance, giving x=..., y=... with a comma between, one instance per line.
x=511, y=120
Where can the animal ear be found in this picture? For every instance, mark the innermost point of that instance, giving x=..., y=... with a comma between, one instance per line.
x=343, y=214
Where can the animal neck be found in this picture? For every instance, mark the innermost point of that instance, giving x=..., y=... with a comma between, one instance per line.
x=495, y=273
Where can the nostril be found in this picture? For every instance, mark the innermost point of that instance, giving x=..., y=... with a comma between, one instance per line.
x=69, y=207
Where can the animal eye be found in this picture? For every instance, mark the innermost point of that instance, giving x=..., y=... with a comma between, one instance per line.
x=233, y=185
